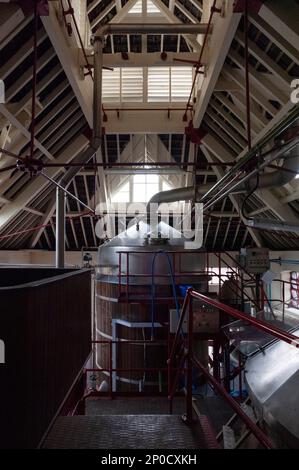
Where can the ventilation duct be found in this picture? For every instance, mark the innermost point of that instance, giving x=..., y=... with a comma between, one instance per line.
x=276, y=226
x=273, y=179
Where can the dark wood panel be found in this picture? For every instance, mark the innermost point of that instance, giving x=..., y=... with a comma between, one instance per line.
x=47, y=334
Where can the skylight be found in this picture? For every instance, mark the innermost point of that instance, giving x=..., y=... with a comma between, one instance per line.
x=162, y=84
x=150, y=8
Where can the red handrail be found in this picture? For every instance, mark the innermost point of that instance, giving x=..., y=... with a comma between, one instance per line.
x=193, y=362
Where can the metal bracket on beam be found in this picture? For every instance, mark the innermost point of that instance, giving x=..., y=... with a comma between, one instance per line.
x=195, y=135
x=254, y=6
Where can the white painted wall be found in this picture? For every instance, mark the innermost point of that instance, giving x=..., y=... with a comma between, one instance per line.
x=41, y=257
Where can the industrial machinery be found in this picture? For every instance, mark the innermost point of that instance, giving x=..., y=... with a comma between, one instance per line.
x=272, y=377
x=206, y=319
x=137, y=284
x=254, y=260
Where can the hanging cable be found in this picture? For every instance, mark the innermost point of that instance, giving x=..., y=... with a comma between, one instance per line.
x=177, y=306
x=33, y=102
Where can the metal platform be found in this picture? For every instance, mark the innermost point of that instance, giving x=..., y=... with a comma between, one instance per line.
x=134, y=406
x=129, y=432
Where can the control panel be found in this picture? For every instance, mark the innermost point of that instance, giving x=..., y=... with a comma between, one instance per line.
x=206, y=319
x=254, y=260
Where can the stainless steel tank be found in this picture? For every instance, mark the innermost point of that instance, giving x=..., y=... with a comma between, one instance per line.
x=128, y=320
x=136, y=239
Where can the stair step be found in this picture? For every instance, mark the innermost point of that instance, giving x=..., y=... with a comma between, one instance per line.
x=128, y=432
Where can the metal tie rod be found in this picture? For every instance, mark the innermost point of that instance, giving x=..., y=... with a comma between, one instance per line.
x=67, y=192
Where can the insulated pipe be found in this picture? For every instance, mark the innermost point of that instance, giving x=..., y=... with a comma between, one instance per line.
x=235, y=187
x=273, y=179
x=282, y=126
x=273, y=225
x=84, y=156
x=151, y=28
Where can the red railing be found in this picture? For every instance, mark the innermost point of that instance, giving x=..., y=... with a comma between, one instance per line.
x=176, y=260
x=236, y=269
x=185, y=358
x=283, y=301
x=111, y=369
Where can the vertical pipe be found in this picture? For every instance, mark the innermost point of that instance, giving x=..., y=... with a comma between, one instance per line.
x=189, y=364
x=97, y=92
x=60, y=228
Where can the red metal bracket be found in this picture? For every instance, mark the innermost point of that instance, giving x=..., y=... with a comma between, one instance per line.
x=254, y=6
x=195, y=135
x=27, y=7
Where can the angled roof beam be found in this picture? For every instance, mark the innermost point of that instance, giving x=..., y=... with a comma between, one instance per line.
x=228, y=117
x=101, y=15
x=24, y=131
x=224, y=29
x=38, y=184
x=284, y=15
x=231, y=132
x=237, y=76
x=266, y=61
x=260, y=79
x=275, y=36
x=21, y=54
x=210, y=145
x=82, y=88
x=44, y=221
x=241, y=115
x=191, y=39
x=27, y=75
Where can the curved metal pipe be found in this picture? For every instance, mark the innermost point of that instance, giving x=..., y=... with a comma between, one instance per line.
x=272, y=179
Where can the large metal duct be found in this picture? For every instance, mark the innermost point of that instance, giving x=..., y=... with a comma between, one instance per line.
x=272, y=179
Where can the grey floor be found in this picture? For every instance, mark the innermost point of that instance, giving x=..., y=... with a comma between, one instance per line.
x=136, y=406
x=127, y=432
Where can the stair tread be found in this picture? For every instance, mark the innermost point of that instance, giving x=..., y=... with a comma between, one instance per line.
x=127, y=432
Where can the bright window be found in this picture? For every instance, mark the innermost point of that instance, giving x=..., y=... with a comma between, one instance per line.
x=123, y=85
x=169, y=84
x=164, y=84
x=144, y=187
x=150, y=8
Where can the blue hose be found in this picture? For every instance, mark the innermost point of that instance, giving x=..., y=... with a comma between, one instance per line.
x=153, y=289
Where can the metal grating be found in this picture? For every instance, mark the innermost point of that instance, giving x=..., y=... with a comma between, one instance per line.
x=126, y=432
